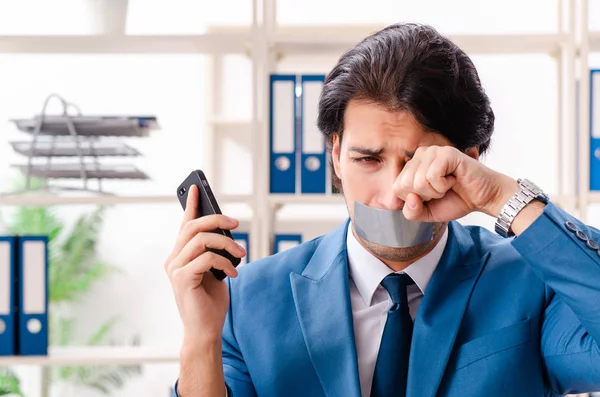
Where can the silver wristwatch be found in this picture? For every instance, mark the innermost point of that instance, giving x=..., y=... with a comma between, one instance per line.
x=527, y=191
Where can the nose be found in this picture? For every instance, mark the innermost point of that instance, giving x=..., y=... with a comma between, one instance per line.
x=387, y=197
x=390, y=201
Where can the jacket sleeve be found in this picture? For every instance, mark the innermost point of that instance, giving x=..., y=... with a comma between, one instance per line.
x=237, y=378
x=565, y=254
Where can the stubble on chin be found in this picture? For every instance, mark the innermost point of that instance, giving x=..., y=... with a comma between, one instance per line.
x=404, y=254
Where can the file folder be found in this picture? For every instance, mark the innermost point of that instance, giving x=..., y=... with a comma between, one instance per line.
x=286, y=241
x=283, y=127
x=595, y=129
x=33, y=295
x=242, y=239
x=313, y=176
x=8, y=296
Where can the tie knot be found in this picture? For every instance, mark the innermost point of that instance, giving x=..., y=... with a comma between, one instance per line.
x=396, y=284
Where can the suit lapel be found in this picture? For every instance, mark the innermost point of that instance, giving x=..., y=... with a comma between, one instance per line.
x=322, y=299
x=441, y=311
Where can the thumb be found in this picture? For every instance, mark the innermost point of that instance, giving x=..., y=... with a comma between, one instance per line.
x=415, y=209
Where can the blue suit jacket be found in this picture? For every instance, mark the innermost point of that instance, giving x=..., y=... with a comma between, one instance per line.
x=501, y=317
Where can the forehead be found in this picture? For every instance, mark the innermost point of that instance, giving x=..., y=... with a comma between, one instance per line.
x=371, y=123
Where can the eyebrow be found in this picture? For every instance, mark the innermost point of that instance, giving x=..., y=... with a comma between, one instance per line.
x=365, y=151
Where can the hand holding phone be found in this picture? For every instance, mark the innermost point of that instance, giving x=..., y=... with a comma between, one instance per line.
x=207, y=205
x=202, y=300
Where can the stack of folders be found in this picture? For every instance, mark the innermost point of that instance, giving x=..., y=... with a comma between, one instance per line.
x=23, y=295
x=298, y=155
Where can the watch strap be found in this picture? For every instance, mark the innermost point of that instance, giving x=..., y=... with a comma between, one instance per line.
x=527, y=192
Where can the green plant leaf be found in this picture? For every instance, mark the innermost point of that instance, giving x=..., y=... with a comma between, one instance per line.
x=9, y=383
x=99, y=336
x=73, y=269
x=105, y=378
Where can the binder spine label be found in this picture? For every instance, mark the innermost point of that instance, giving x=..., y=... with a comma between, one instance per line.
x=5, y=279
x=34, y=277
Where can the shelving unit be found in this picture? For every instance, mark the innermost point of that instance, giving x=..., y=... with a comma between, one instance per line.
x=55, y=199
x=209, y=43
x=101, y=355
x=265, y=44
x=309, y=42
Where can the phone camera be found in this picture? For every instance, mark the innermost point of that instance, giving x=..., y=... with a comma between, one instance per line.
x=182, y=191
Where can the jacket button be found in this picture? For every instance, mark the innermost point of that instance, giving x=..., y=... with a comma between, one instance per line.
x=592, y=244
x=571, y=226
x=581, y=235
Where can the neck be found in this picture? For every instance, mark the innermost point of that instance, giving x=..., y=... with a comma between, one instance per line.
x=400, y=265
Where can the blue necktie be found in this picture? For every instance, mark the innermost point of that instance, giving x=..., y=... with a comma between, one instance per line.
x=391, y=369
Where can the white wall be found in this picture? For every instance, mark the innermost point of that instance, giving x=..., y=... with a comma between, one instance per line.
x=137, y=238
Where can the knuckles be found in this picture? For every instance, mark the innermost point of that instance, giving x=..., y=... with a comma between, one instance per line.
x=203, y=224
x=421, y=182
x=177, y=276
x=405, y=182
x=210, y=257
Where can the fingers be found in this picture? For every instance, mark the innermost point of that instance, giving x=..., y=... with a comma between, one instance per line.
x=415, y=209
x=191, y=206
x=427, y=174
x=436, y=176
x=206, y=223
x=421, y=183
x=198, y=246
x=404, y=184
x=191, y=275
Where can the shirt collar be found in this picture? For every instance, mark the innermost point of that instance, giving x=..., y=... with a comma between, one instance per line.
x=367, y=271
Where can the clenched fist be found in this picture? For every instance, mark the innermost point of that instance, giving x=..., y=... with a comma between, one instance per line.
x=441, y=184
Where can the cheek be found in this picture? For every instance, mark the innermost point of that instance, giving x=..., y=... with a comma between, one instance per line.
x=360, y=183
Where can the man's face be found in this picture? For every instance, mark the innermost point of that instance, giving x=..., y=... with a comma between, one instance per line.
x=376, y=143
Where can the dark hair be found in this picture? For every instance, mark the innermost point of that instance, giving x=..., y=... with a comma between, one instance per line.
x=410, y=67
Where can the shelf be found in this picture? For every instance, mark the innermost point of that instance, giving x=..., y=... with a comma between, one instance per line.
x=295, y=39
x=43, y=199
x=67, y=148
x=230, y=122
x=594, y=197
x=103, y=355
x=223, y=42
x=283, y=199
x=322, y=39
x=74, y=171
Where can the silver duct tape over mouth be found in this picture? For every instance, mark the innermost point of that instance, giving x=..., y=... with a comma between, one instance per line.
x=390, y=228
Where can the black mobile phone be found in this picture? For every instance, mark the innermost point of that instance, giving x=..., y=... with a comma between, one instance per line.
x=207, y=205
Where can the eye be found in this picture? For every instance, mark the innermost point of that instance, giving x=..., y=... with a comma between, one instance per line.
x=367, y=159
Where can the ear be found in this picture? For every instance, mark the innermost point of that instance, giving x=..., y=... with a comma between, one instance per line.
x=335, y=155
x=473, y=152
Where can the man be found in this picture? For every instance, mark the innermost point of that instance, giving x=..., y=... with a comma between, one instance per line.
x=416, y=305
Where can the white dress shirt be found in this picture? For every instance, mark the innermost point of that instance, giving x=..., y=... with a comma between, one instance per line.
x=371, y=302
